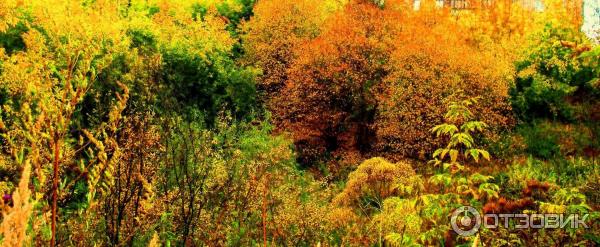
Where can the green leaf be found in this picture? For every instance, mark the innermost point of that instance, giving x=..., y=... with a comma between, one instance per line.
x=474, y=153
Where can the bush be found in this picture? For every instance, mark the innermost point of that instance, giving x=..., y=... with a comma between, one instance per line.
x=551, y=78
x=545, y=139
x=540, y=141
x=208, y=86
x=375, y=86
x=428, y=69
x=226, y=181
x=327, y=102
x=373, y=181
x=274, y=31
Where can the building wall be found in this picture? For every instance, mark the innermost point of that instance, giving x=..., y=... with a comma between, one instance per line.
x=464, y=4
x=591, y=19
x=587, y=12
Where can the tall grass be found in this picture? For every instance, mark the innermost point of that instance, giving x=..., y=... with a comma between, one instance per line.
x=15, y=218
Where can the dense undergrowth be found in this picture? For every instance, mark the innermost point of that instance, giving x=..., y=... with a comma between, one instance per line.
x=293, y=123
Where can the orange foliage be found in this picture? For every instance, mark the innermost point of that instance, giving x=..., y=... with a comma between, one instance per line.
x=503, y=205
x=533, y=190
x=376, y=80
x=275, y=29
x=327, y=101
x=536, y=186
x=429, y=66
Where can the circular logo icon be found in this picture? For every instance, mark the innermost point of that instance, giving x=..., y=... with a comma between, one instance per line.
x=465, y=221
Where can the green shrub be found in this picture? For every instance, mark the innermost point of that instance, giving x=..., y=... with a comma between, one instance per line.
x=12, y=40
x=545, y=139
x=540, y=141
x=210, y=85
x=549, y=73
x=572, y=172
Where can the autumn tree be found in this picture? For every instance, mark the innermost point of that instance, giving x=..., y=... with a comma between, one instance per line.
x=275, y=30
x=196, y=73
x=376, y=78
x=428, y=67
x=327, y=101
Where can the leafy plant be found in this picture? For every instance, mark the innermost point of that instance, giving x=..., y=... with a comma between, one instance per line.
x=461, y=144
x=549, y=73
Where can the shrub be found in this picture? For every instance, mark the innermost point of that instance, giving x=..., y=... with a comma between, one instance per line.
x=327, y=102
x=427, y=68
x=202, y=85
x=374, y=180
x=551, y=77
x=233, y=181
x=545, y=139
x=375, y=86
x=540, y=141
x=372, y=202
x=197, y=73
x=273, y=32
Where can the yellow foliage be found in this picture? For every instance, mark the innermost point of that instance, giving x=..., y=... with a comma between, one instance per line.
x=175, y=28
x=399, y=215
x=8, y=16
x=155, y=241
x=375, y=180
x=349, y=78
